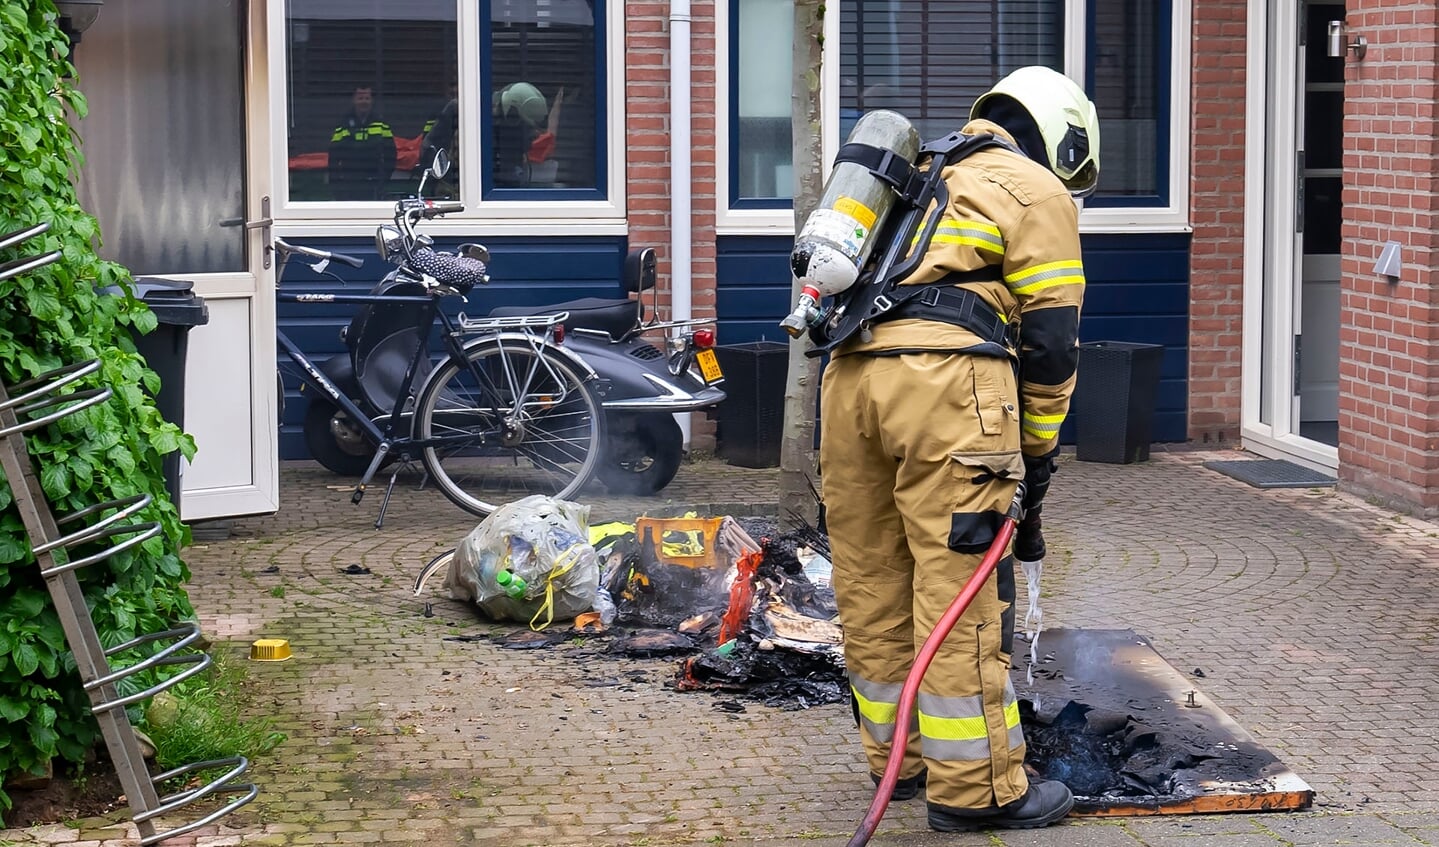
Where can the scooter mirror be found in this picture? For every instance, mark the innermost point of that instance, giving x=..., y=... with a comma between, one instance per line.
x=441, y=165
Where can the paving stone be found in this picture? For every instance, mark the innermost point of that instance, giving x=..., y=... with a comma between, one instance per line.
x=1306, y=611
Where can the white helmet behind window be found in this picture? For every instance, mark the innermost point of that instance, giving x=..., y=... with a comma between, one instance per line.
x=1066, y=120
x=523, y=99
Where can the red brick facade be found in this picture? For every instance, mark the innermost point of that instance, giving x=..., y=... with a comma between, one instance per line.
x=648, y=148
x=1216, y=279
x=1389, y=332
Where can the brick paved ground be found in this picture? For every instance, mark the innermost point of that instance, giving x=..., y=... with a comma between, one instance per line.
x=1313, y=615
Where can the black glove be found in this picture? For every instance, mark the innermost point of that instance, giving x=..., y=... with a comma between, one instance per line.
x=1029, y=535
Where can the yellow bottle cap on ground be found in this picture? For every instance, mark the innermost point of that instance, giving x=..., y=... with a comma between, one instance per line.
x=270, y=650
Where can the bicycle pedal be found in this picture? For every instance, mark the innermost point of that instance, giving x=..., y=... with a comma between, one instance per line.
x=358, y=495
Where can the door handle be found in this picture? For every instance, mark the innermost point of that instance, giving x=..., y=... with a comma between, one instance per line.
x=263, y=224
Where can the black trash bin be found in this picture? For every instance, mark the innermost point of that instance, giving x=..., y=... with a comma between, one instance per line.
x=1114, y=400
x=177, y=308
x=751, y=417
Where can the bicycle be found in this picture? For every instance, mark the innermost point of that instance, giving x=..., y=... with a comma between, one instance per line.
x=505, y=413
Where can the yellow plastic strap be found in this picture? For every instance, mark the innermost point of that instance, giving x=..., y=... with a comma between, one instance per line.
x=569, y=557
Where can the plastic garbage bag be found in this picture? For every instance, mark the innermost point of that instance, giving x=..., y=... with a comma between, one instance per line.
x=544, y=545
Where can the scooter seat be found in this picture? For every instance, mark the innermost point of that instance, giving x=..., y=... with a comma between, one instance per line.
x=615, y=317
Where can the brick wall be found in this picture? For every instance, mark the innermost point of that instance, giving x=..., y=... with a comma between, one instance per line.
x=1217, y=214
x=1389, y=332
x=647, y=184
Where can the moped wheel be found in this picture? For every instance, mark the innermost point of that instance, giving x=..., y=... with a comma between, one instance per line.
x=334, y=441
x=517, y=421
x=642, y=455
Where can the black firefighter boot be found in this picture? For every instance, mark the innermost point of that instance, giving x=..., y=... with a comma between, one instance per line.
x=1046, y=802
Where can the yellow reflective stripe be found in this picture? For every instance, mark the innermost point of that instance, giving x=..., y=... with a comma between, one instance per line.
x=1048, y=275
x=340, y=133
x=382, y=130
x=976, y=234
x=1043, y=426
x=964, y=729
x=874, y=711
x=977, y=242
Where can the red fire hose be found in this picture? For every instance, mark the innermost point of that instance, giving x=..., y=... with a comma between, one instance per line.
x=910, y=690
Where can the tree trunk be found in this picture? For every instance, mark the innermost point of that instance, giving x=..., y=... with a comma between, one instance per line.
x=797, y=461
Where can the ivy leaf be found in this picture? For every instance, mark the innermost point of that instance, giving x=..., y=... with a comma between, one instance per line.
x=15, y=17
x=26, y=658
x=44, y=303
x=55, y=479
x=165, y=440
x=26, y=605
x=13, y=709
x=43, y=737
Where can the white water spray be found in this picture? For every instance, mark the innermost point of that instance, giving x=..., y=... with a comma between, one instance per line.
x=1033, y=618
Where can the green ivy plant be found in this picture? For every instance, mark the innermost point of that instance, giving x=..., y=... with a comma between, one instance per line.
x=51, y=317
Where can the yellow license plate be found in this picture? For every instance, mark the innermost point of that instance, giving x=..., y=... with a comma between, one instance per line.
x=709, y=366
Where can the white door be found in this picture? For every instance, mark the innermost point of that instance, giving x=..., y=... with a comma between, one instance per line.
x=1321, y=127
x=1293, y=211
x=177, y=150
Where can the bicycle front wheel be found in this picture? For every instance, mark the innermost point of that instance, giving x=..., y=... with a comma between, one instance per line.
x=507, y=422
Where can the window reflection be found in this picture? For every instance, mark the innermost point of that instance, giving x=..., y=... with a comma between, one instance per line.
x=368, y=81
x=545, y=98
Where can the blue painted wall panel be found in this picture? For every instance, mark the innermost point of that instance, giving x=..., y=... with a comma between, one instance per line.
x=1138, y=291
x=523, y=271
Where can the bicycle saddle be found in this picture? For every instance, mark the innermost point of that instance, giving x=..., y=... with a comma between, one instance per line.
x=615, y=317
x=458, y=272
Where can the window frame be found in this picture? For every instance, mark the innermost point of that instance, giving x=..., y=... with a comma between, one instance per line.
x=1167, y=212
x=598, y=211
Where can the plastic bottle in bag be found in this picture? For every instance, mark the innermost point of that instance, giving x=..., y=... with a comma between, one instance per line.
x=513, y=585
x=605, y=605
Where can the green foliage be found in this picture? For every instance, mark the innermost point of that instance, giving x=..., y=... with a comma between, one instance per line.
x=53, y=317
x=206, y=719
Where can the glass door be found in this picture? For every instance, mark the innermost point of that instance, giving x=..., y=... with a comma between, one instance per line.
x=177, y=172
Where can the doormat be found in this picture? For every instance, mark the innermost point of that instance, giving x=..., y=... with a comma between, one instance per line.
x=1131, y=735
x=1271, y=473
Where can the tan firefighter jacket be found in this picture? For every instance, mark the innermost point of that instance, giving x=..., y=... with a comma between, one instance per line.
x=1007, y=211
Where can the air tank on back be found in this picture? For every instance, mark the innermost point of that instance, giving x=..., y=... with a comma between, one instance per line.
x=838, y=236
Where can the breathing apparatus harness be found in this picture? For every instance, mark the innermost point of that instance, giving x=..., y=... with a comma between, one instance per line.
x=877, y=296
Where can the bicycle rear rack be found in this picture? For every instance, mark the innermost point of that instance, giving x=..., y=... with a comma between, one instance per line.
x=38, y=402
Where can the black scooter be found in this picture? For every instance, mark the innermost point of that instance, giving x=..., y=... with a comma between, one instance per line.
x=642, y=385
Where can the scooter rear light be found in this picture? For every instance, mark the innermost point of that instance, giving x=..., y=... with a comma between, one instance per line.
x=559, y=333
x=704, y=338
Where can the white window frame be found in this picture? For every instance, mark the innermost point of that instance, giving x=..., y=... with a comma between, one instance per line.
x=1173, y=217
x=489, y=217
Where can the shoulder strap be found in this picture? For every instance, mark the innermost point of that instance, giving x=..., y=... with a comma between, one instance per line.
x=867, y=300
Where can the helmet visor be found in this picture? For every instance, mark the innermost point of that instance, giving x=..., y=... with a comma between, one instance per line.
x=1083, y=183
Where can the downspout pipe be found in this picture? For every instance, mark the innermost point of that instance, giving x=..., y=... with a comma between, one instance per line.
x=681, y=284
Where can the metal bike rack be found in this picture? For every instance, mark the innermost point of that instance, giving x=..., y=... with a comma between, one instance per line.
x=30, y=405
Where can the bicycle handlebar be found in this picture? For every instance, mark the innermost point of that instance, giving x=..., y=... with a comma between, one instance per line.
x=435, y=210
x=283, y=246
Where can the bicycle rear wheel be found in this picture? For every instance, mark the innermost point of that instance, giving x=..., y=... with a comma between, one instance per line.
x=517, y=421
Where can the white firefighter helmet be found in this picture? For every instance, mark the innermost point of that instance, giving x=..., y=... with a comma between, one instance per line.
x=1066, y=119
x=523, y=99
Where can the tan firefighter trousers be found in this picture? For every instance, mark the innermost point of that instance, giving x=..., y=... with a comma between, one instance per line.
x=920, y=458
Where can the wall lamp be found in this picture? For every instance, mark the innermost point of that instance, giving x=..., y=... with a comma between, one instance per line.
x=1338, y=46
x=76, y=16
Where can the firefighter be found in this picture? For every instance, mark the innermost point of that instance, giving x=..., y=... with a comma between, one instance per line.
x=526, y=130
x=362, y=150
x=930, y=419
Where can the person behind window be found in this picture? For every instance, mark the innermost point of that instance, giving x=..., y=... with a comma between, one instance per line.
x=362, y=151
x=526, y=128
x=442, y=132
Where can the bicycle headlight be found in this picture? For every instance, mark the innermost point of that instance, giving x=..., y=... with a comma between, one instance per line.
x=387, y=240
